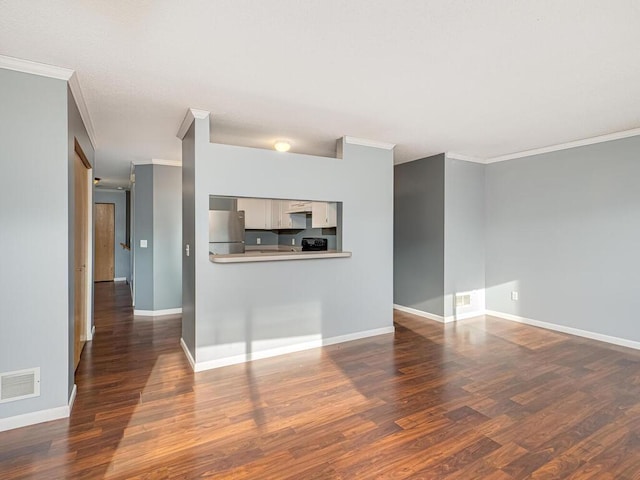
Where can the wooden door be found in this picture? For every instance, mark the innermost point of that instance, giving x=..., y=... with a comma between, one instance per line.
x=104, y=235
x=81, y=254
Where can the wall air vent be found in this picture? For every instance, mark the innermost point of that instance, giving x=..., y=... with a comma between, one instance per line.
x=463, y=299
x=19, y=384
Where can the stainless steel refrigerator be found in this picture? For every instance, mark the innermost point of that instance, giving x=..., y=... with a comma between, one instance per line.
x=226, y=232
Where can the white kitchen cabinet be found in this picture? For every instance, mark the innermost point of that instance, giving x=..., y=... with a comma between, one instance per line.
x=280, y=219
x=298, y=206
x=257, y=213
x=324, y=214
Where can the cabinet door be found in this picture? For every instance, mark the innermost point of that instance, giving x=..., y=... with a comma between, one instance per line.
x=276, y=214
x=324, y=214
x=255, y=213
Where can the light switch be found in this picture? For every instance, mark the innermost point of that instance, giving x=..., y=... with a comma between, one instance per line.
x=143, y=244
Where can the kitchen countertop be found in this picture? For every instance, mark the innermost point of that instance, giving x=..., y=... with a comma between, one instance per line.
x=257, y=253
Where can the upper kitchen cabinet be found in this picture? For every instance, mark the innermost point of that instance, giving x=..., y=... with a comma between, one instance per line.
x=324, y=214
x=281, y=219
x=298, y=206
x=257, y=213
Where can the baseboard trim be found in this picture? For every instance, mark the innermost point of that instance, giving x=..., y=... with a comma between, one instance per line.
x=157, y=313
x=41, y=416
x=120, y=279
x=623, y=342
x=223, y=362
x=190, y=358
x=421, y=313
x=72, y=397
x=464, y=316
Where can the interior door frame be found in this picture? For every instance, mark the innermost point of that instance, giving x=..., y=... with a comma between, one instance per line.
x=90, y=329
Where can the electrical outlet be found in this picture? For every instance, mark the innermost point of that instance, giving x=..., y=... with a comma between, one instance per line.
x=514, y=296
x=293, y=241
x=143, y=244
x=258, y=241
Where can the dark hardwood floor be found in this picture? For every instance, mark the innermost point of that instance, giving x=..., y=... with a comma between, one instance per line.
x=480, y=399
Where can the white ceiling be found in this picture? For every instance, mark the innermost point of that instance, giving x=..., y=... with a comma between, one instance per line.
x=479, y=78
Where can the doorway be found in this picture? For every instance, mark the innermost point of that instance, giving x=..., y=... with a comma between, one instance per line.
x=104, y=214
x=81, y=229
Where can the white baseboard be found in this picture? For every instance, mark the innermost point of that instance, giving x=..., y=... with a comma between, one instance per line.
x=91, y=333
x=191, y=360
x=26, y=419
x=464, y=316
x=247, y=357
x=623, y=342
x=120, y=279
x=420, y=313
x=157, y=313
x=72, y=397
x=439, y=318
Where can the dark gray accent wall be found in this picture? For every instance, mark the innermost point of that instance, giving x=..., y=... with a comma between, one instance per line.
x=464, y=236
x=122, y=256
x=418, y=242
x=188, y=240
x=143, y=230
x=167, y=237
x=563, y=229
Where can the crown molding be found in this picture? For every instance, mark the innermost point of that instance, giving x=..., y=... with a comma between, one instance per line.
x=59, y=73
x=158, y=161
x=35, y=68
x=465, y=158
x=564, y=146
x=369, y=143
x=190, y=116
x=74, y=86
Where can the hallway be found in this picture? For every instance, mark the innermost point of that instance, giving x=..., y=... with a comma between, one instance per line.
x=483, y=398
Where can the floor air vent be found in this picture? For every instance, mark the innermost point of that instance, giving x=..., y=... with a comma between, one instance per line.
x=19, y=384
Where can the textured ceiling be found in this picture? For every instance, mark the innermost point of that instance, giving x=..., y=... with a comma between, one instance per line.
x=481, y=79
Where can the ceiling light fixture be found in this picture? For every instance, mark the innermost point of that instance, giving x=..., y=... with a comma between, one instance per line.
x=282, y=146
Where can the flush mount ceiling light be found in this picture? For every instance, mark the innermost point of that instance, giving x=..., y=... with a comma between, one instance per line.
x=282, y=146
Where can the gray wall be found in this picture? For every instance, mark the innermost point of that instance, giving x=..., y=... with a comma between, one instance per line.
x=464, y=235
x=418, y=246
x=143, y=230
x=157, y=219
x=267, y=237
x=285, y=236
x=250, y=307
x=167, y=236
x=122, y=256
x=563, y=229
x=36, y=125
x=75, y=131
x=188, y=240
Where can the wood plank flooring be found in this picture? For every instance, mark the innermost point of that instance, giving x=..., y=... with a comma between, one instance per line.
x=480, y=399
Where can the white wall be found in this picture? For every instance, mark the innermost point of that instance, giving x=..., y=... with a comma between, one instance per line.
x=241, y=309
